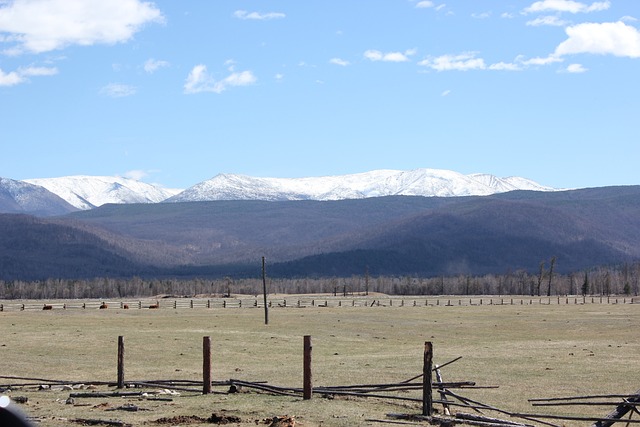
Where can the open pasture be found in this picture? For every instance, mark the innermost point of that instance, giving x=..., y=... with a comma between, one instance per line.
x=528, y=351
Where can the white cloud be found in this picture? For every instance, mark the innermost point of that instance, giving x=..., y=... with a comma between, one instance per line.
x=462, y=62
x=575, y=68
x=21, y=74
x=614, y=38
x=38, y=26
x=11, y=78
x=151, y=65
x=550, y=20
x=199, y=80
x=243, y=14
x=424, y=4
x=338, y=61
x=376, y=55
x=445, y=92
x=570, y=6
x=118, y=90
x=628, y=18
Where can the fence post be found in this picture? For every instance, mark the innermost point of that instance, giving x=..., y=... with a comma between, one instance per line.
x=427, y=398
x=120, y=362
x=307, y=383
x=206, y=365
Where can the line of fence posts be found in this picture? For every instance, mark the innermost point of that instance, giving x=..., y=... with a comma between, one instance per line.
x=307, y=388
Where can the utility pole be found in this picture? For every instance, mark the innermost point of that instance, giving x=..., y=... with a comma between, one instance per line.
x=264, y=292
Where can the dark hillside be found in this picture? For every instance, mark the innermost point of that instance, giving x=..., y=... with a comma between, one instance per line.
x=494, y=234
x=34, y=249
x=237, y=231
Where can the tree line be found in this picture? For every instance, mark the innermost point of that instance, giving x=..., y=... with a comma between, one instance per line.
x=610, y=280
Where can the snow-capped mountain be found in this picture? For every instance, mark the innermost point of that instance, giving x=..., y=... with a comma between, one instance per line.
x=418, y=182
x=22, y=197
x=87, y=192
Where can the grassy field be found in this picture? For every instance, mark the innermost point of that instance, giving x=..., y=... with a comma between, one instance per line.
x=528, y=351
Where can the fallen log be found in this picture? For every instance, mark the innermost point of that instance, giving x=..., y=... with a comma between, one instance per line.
x=95, y=422
x=608, y=421
x=98, y=394
x=621, y=410
x=473, y=417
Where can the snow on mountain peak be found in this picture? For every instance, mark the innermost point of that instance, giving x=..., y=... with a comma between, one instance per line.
x=418, y=182
x=87, y=192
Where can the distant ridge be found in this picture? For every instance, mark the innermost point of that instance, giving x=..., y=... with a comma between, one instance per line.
x=378, y=183
x=86, y=192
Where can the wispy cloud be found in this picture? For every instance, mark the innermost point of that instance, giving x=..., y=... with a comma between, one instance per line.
x=118, y=90
x=243, y=14
x=550, y=20
x=338, y=61
x=152, y=65
x=199, y=80
x=569, y=6
x=575, y=68
x=461, y=62
x=551, y=59
x=612, y=38
x=425, y=4
x=136, y=174
x=376, y=55
x=505, y=66
x=22, y=74
x=445, y=92
x=46, y=25
x=482, y=15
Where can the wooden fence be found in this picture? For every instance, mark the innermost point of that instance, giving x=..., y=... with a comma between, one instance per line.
x=301, y=302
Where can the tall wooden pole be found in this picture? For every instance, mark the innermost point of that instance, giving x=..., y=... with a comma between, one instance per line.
x=307, y=387
x=206, y=365
x=427, y=398
x=264, y=292
x=120, y=362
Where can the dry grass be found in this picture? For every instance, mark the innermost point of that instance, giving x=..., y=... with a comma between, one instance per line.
x=528, y=351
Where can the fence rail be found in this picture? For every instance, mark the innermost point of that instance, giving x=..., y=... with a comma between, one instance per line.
x=301, y=302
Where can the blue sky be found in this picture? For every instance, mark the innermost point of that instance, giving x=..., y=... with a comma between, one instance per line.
x=175, y=92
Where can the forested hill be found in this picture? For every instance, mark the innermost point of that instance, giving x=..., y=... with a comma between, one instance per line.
x=398, y=235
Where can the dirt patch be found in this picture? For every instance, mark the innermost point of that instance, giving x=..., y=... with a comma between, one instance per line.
x=183, y=419
x=194, y=419
x=285, y=421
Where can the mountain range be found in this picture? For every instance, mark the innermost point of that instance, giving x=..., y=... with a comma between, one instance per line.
x=387, y=235
x=88, y=192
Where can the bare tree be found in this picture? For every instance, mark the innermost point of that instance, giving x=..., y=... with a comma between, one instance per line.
x=540, y=277
x=553, y=263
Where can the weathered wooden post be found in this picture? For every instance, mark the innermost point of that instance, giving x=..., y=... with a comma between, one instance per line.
x=206, y=365
x=264, y=292
x=120, y=362
x=427, y=398
x=307, y=386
